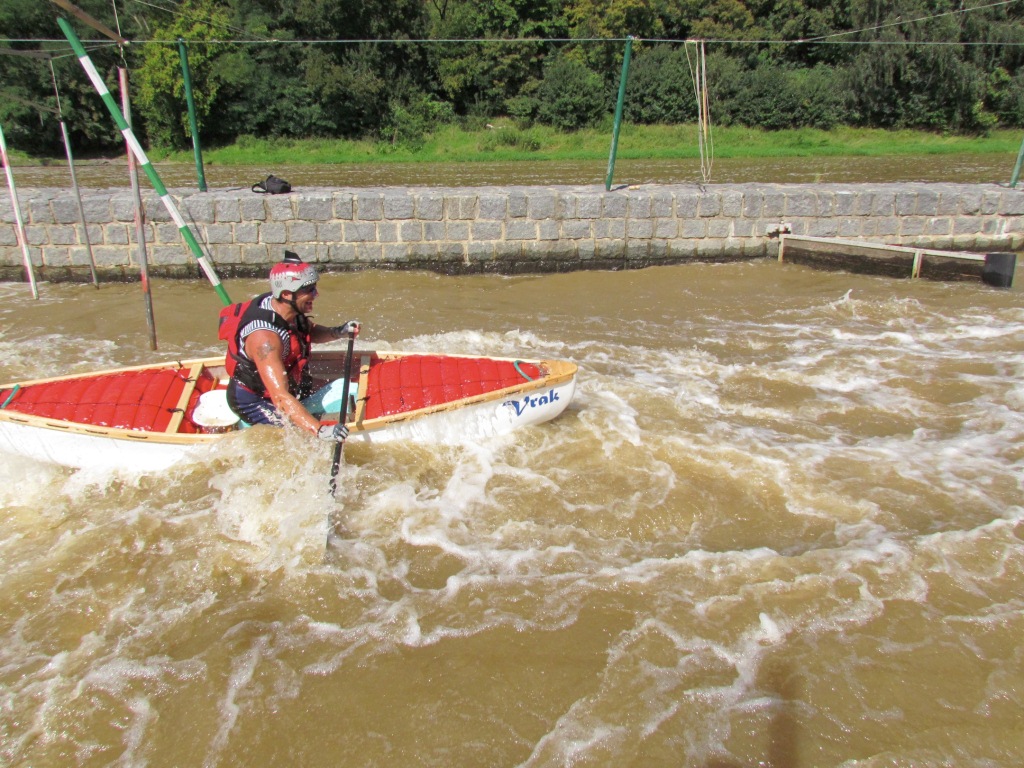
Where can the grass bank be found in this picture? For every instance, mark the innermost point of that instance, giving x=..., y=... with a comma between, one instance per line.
x=507, y=143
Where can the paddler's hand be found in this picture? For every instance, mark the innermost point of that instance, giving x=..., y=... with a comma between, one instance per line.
x=335, y=433
x=352, y=326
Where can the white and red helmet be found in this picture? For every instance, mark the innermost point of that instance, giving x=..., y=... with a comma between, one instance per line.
x=292, y=274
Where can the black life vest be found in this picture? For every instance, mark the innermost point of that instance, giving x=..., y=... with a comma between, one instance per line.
x=235, y=317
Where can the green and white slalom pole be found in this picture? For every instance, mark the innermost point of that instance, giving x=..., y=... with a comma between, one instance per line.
x=140, y=155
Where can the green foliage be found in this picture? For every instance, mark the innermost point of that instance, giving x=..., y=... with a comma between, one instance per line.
x=571, y=96
x=364, y=72
x=823, y=103
x=408, y=122
x=800, y=20
x=895, y=87
x=613, y=18
x=511, y=138
x=25, y=128
x=660, y=87
x=479, y=78
x=904, y=82
x=774, y=97
x=356, y=83
x=764, y=99
x=1004, y=95
x=522, y=109
x=262, y=92
x=27, y=81
x=160, y=81
x=769, y=95
x=711, y=20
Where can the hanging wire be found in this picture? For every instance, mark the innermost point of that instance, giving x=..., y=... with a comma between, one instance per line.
x=117, y=24
x=409, y=41
x=908, y=21
x=699, y=77
x=211, y=22
x=117, y=20
x=93, y=45
x=56, y=91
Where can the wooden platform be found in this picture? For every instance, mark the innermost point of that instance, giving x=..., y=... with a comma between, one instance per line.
x=881, y=259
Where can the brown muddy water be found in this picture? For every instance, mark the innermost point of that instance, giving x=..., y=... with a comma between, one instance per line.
x=987, y=168
x=780, y=525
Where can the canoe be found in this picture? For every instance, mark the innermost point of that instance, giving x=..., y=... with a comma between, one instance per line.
x=148, y=417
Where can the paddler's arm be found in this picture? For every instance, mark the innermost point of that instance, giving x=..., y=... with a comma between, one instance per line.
x=264, y=349
x=321, y=334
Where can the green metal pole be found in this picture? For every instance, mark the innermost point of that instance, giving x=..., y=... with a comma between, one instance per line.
x=618, y=112
x=140, y=155
x=192, y=123
x=1016, y=168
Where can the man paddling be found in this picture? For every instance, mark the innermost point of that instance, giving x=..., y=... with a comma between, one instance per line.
x=269, y=339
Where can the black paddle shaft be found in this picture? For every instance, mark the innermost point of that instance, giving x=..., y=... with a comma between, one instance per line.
x=343, y=411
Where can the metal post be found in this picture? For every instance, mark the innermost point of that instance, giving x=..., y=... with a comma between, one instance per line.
x=192, y=122
x=78, y=199
x=618, y=111
x=19, y=223
x=1016, y=168
x=74, y=178
x=140, y=155
x=140, y=215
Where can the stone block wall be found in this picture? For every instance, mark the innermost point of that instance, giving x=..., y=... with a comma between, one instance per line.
x=491, y=229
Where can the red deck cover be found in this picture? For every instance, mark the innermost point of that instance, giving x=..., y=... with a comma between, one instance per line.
x=419, y=381
x=145, y=400
x=140, y=400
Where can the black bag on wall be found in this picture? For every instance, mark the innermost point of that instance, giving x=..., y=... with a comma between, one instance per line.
x=272, y=185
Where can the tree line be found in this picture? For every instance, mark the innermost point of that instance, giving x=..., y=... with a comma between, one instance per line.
x=392, y=70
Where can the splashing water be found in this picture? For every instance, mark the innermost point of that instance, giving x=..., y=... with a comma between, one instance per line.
x=779, y=525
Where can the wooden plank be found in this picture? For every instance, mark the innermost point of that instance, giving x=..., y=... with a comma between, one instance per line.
x=880, y=258
x=832, y=244
x=186, y=393
x=364, y=387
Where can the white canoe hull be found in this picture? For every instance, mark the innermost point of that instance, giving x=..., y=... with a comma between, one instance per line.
x=95, y=451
